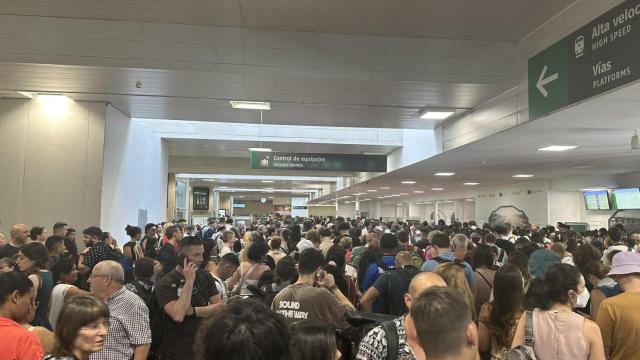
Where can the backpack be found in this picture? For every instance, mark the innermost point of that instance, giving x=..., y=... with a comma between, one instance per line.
x=361, y=323
x=525, y=351
x=385, y=306
x=440, y=260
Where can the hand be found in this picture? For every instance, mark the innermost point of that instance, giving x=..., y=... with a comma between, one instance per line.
x=326, y=280
x=189, y=271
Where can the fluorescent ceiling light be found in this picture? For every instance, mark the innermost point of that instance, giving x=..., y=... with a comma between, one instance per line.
x=523, y=176
x=436, y=114
x=381, y=197
x=366, y=200
x=384, y=188
x=409, y=182
x=223, y=187
x=444, y=174
x=558, y=148
x=260, y=149
x=267, y=181
x=27, y=94
x=471, y=183
x=469, y=199
x=372, y=190
x=598, y=189
x=582, y=167
x=437, y=189
x=250, y=105
x=403, y=194
x=399, y=204
x=448, y=201
x=418, y=192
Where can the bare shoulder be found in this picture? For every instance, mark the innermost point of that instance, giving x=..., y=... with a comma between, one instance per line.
x=591, y=328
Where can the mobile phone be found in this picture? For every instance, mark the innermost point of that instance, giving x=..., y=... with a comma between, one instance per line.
x=181, y=259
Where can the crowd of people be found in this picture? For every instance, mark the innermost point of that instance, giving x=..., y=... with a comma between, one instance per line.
x=319, y=288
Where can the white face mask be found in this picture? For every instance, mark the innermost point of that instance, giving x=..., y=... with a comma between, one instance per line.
x=582, y=299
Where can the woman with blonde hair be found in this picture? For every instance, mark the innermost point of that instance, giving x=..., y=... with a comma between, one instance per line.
x=454, y=275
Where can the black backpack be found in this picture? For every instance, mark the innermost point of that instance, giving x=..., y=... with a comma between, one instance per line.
x=406, y=276
x=440, y=260
x=361, y=323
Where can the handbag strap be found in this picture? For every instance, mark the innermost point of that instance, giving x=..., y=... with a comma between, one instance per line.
x=484, y=278
x=528, y=331
x=238, y=288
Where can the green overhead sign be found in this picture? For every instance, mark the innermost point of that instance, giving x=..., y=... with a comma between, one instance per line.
x=596, y=58
x=318, y=162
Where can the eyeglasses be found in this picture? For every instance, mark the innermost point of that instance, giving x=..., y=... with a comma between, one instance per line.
x=96, y=325
x=91, y=276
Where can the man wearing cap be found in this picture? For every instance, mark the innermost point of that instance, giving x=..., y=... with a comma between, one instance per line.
x=618, y=316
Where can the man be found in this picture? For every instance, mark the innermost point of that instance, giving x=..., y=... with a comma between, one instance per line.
x=19, y=236
x=618, y=316
x=442, y=245
x=502, y=257
x=342, y=229
x=502, y=239
x=187, y=294
x=227, y=265
x=373, y=243
x=129, y=335
x=374, y=346
x=460, y=244
x=149, y=243
x=304, y=301
x=170, y=249
x=70, y=241
x=389, y=247
x=390, y=287
x=325, y=240
x=444, y=325
x=60, y=229
x=404, y=244
x=56, y=248
x=98, y=251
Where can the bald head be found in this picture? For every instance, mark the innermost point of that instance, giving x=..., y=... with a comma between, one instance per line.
x=404, y=259
x=19, y=234
x=110, y=268
x=424, y=280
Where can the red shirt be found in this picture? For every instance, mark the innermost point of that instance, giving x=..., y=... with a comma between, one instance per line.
x=17, y=343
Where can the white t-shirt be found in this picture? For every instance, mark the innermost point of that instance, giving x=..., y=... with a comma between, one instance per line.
x=57, y=300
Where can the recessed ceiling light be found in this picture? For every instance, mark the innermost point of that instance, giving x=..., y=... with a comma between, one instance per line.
x=444, y=174
x=523, y=176
x=403, y=194
x=269, y=188
x=366, y=200
x=471, y=183
x=434, y=114
x=267, y=181
x=437, y=189
x=372, y=190
x=582, y=167
x=260, y=149
x=418, y=192
x=241, y=196
x=381, y=197
x=596, y=189
x=384, y=188
x=469, y=199
x=223, y=187
x=270, y=197
x=27, y=94
x=409, y=182
x=558, y=148
x=250, y=105
x=399, y=204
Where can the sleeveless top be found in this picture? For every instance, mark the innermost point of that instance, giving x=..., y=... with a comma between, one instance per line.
x=44, y=293
x=57, y=300
x=559, y=335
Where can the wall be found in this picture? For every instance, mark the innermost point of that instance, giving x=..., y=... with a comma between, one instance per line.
x=51, y=163
x=529, y=197
x=322, y=210
x=417, y=145
x=253, y=207
x=135, y=174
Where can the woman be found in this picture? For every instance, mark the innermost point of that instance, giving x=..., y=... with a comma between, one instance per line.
x=453, y=274
x=241, y=330
x=558, y=332
x=64, y=275
x=276, y=253
x=17, y=305
x=521, y=260
x=32, y=260
x=39, y=234
x=499, y=318
x=135, y=252
x=250, y=271
x=149, y=242
x=228, y=240
x=483, y=275
x=603, y=286
x=313, y=340
x=335, y=264
x=83, y=331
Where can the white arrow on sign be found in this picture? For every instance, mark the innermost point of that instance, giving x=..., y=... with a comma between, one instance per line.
x=542, y=81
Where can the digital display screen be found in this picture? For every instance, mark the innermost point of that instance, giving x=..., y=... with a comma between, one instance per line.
x=239, y=205
x=625, y=199
x=596, y=200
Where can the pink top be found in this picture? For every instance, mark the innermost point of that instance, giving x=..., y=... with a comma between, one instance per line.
x=559, y=335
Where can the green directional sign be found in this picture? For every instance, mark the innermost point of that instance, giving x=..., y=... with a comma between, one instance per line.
x=596, y=58
x=318, y=162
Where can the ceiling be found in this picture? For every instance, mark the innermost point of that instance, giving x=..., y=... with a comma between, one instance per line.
x=231, y=148
x=500, y=20
x=601, y=128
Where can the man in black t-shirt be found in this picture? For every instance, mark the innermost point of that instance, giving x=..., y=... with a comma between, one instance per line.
x=19, y=236
x=187, y=294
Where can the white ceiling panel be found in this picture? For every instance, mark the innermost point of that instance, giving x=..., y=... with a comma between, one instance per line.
x=505, y=20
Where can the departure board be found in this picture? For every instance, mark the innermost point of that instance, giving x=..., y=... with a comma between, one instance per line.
x=596, y=200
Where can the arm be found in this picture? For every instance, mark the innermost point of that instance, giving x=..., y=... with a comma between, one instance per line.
x=82, y=262
x=606, y=323
x=518, y=338
x=233, y=280
x=366, y=303
x=141, y=352
x=342, y=299
x=179, y=309
x=327, y=281
x=484, y=339
x=36, y=282
x=214, y=307
x=594, y=340
x=74, y=291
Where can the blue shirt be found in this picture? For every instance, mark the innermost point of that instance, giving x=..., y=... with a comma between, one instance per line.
x=430, y=265
x=373, y=271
